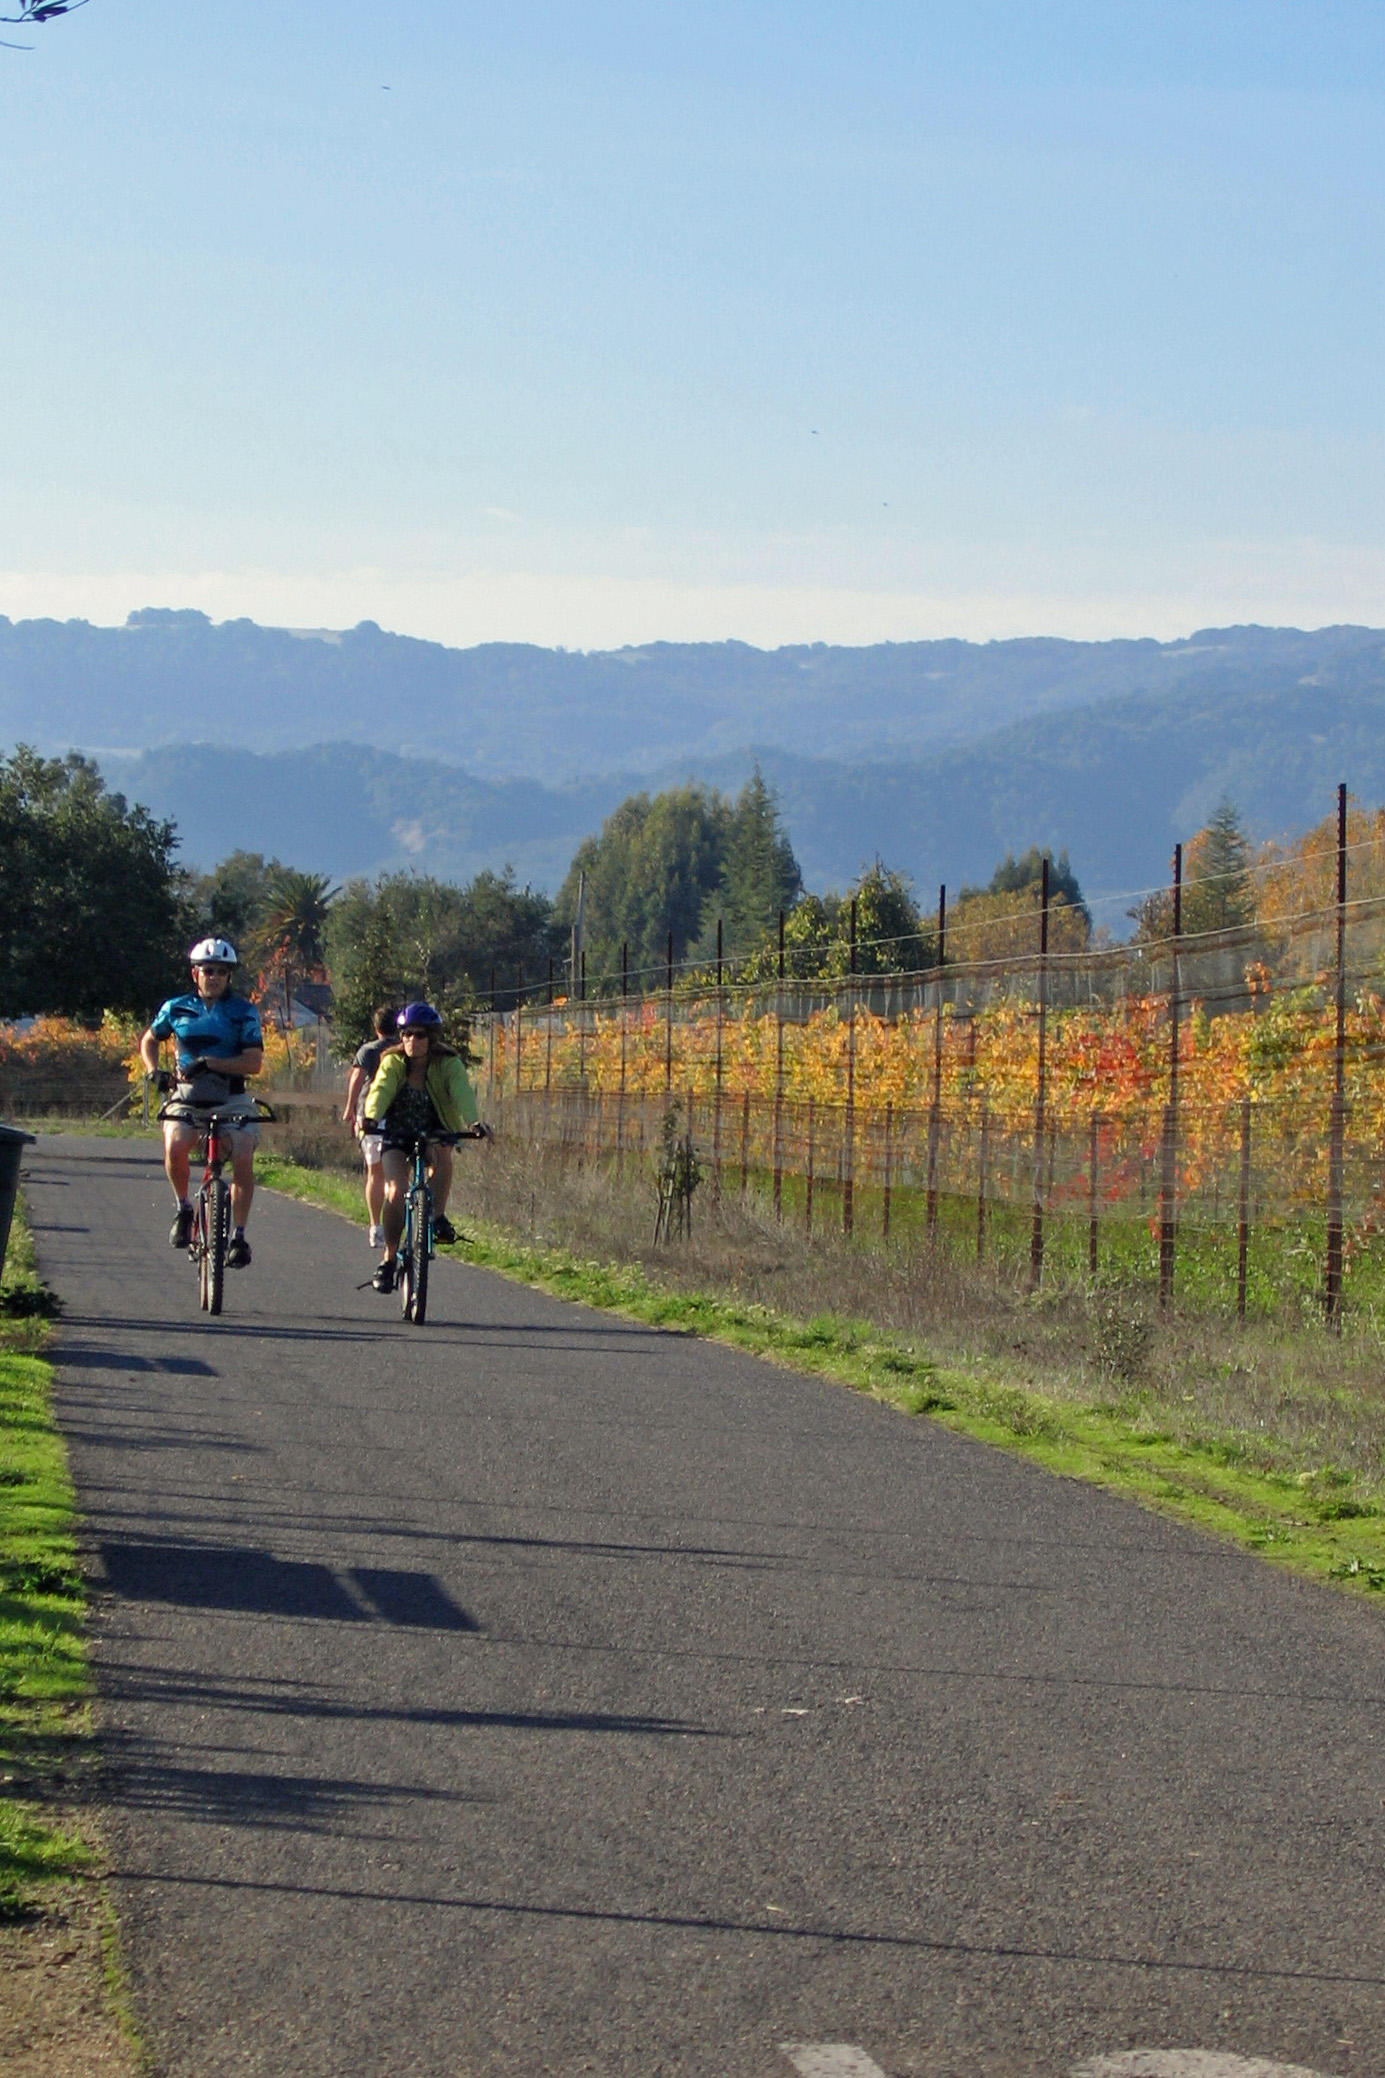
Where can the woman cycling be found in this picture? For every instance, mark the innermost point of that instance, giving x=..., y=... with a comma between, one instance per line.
x=421, y=1088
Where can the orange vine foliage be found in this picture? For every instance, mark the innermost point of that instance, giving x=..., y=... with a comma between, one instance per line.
x=1111, y=1063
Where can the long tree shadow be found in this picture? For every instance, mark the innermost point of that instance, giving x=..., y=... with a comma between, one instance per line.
x=385, y=1329
x=104, y=1359
x=254, y=1797
x=256, y=1583
x=172, y=1687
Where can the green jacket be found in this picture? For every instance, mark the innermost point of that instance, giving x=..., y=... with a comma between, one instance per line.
x=448, y=1085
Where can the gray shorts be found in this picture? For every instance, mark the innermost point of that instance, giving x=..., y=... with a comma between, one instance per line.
x=240, y=1126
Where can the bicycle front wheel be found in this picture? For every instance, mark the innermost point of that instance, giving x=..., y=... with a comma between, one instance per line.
x=214, y=1228
x=419, y=1224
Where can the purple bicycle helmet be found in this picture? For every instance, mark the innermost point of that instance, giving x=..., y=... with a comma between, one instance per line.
x=418, y=1017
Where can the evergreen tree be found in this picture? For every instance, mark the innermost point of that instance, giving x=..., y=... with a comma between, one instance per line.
x=759, y=874
x=1014, y=876
x=1218, y=891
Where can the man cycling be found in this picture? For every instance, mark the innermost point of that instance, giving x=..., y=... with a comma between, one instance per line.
x=421, y=1088
x=219, y=1042
x=363, y=1069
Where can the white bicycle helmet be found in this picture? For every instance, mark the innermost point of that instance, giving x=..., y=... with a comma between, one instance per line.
x=217, y=950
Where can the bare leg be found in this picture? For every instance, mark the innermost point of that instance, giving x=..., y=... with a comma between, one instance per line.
x=396, y=1170
x=440, y=1165
x=242, y=1178
x=375, y=1191
x=178, y=1145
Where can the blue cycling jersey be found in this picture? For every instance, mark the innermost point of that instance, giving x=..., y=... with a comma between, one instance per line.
x=211, y=1031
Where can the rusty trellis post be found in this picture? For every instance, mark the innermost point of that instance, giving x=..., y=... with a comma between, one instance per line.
x=519, y=1028
x=490, y=1071
x=548, y=1051
x=668, y=1020
x=1332, y=1294
x=745, y=1141
x=1093, y=1157
x=889, y=1153
x=1036, y=1232
x=1168, y=1175
x=624, y=1039
x=582, y=1020
x=808, y=1194
x=1243, y=1221
x=778, y=1185
x=935, y=1109
x=716, y=1100
x=981, y=1186
x=849, y=1122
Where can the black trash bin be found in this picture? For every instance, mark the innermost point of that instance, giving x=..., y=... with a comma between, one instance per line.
x=12, y=1146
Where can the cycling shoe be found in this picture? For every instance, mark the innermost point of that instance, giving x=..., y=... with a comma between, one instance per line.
x=443, y=1229
x=180, y=1233
x=238, y=1253
x=383, y=1280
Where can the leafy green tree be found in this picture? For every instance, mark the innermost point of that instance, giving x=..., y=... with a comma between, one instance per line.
x=233, y=901
x=366, y=963
x=408, y=935
x=90, y=916
x=650, y=871
x=891, y=935
x=505, y=931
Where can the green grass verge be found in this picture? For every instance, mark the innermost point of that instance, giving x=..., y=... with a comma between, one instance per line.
x=1306, y=1521
x=44, y=1720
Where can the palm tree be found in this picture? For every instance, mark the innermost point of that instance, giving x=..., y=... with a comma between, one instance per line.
x=295, y=927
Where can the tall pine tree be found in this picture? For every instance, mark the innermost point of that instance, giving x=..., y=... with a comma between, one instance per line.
x=759, y=874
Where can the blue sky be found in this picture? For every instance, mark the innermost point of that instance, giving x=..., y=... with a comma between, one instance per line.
x=594, y=325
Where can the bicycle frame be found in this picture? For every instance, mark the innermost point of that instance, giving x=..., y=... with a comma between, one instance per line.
x=416, y=1244
x=211, y=1212
x=211, y=1216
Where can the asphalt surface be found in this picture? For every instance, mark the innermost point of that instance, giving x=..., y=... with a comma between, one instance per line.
x=534, y=1693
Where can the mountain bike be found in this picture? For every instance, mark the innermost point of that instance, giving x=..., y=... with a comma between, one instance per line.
x=211, y=1208
x=416, y=1246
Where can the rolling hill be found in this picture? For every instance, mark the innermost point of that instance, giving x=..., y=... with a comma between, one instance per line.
x=1116, y=783
x=508, y=711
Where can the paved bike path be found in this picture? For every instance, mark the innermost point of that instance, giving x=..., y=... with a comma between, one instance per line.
x=536, y=1693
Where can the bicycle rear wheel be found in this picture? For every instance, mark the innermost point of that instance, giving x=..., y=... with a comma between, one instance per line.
x=214, y=1228
x=419, y=1224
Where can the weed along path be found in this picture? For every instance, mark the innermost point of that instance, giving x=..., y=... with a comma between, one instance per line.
x=538, y=1693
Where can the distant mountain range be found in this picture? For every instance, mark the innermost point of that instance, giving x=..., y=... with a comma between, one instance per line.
x=352, y=752
x=513, y=711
